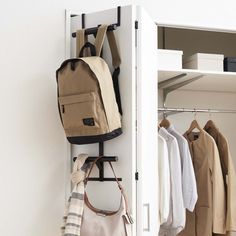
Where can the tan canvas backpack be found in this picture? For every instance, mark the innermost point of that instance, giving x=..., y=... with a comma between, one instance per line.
x=86, y=97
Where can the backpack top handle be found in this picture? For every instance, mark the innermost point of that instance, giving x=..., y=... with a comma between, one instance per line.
x=81, y=40
x=85, y=47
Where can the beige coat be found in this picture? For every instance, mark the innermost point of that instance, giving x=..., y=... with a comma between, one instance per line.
x=228, y=173
x=209, y=213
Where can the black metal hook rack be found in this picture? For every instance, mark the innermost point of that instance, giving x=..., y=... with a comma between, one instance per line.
x=93, y=30
x=100, y=164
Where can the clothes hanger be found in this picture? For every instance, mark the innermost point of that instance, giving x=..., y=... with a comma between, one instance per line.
x=210, y=123
x=194, y=125
x=165, y=122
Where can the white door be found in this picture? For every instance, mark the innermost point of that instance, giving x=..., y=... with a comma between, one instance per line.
x=136, y=148
x=147, y=186
x=105, y=195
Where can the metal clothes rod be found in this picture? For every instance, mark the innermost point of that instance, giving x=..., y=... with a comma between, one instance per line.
x=196, y=110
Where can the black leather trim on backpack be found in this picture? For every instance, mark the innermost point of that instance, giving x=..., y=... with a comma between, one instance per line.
x=73, y=60
x=95, y=138
x=115, y=79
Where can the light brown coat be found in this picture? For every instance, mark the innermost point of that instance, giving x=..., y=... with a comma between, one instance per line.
x=209, y=213
x=228, y=174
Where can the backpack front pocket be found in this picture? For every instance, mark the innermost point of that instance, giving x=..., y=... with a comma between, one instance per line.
x=79, y=114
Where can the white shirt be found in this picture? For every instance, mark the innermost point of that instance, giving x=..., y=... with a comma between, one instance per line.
x=189, y=186
x=176, y=219
x=164, y=180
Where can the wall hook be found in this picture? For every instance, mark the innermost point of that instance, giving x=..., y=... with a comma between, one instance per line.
x=100, y=164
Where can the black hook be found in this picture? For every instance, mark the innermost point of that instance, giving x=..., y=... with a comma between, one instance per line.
x=100, y=164
x=94, y=29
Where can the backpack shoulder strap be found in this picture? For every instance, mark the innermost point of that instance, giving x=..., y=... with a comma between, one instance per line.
x=101, y=33
x=80, y=40
x=100, y=37
x=116, y=61
x=105, y=84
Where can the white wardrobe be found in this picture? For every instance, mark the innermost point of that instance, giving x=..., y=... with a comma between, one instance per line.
x=138, y=38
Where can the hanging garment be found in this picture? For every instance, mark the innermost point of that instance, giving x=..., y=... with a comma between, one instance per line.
x=176, y=219
x=189, y=186
x=228, y=174
x=74, y=210
x=164, y=180
x=209, y=213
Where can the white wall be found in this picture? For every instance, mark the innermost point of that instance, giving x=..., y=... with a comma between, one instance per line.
x=33, y=161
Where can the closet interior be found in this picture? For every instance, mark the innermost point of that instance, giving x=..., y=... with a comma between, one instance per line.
x=199, y=95
x=205, y=94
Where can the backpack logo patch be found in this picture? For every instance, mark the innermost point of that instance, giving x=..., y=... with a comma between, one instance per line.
x=89, y=122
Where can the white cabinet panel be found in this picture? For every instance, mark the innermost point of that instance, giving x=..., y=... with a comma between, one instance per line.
x=147, y=125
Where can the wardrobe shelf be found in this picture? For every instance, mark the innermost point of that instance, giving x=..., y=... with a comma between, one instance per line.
x=214, y=81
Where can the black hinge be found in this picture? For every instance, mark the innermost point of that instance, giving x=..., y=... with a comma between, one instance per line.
x=136, y=175
x=136, y=24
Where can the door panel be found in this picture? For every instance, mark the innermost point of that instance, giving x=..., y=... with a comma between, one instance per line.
x=147, y=124
x=106, y=195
